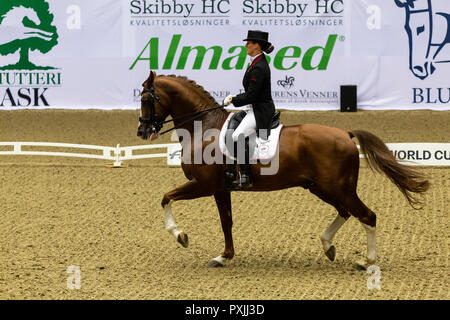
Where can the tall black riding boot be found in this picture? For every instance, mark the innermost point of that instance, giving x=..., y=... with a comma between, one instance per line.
x=244, y=179
x=230, y=173
x=246, y=172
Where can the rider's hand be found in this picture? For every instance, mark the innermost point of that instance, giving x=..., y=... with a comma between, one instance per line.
x=227, y=101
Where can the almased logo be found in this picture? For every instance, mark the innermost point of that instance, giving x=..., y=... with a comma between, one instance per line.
x=26, y=26
x=234, y=58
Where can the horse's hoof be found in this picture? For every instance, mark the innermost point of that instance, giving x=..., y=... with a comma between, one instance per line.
x=183, y=239
x=215, y=264
x=331, y=253
x=361, y=265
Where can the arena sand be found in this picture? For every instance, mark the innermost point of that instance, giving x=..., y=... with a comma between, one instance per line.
x=58, y=212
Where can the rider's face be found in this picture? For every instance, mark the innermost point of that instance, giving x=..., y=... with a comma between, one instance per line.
x=253, y=48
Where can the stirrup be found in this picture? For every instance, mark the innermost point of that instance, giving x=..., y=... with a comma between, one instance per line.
x=230, y=178
x=242, y=183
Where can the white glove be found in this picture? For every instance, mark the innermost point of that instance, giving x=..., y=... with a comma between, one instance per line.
x=227, y=100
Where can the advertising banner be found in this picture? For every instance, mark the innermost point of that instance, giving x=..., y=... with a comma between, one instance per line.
x=422, y=154
x=96, y=54
x=400, y=55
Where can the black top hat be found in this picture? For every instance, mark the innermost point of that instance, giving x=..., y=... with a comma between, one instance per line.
x=258, y=36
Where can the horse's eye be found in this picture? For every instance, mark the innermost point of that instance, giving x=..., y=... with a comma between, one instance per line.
x=420, y=29
x=145, y=97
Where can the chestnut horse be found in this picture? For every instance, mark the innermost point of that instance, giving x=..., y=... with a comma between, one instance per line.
x=323, y=159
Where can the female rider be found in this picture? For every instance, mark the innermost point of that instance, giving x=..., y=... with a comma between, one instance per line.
x=258, y=95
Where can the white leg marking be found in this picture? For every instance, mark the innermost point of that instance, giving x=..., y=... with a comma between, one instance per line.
x=328, y=235
x=371, y=244
x=220, y=260
x=171, y=226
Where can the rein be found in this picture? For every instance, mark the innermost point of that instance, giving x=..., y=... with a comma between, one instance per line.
x=157, y=125
x=195, y=115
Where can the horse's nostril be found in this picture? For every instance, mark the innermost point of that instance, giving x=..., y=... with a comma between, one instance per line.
x=418, y=68
x=432, y=68
x=139, y=133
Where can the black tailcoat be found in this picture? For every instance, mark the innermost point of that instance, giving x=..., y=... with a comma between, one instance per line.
x=258, y=93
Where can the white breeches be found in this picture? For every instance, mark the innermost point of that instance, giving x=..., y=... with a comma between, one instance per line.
x=246, y=127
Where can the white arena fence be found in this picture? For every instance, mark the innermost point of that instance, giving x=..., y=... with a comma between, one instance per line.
x=118, y=154
x=419, y=154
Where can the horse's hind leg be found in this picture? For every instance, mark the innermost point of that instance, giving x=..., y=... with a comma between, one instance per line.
x=327, y=237
x=223, y=201
x=368, y=219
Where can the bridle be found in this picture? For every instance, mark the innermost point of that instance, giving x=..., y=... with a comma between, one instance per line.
x=154, y=121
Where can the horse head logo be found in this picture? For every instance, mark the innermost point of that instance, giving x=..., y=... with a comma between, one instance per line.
x=26, y=26
x=424, y=45
x=287, y=83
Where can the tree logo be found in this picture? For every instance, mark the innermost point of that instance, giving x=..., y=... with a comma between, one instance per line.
x=26, y=25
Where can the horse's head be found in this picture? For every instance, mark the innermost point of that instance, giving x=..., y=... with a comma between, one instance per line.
x=24, y=23
x=20, y=14
x=418, y=26
x=153, y=113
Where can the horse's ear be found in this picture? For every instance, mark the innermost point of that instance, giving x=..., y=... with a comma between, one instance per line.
x=151, y=78
x=403, y=3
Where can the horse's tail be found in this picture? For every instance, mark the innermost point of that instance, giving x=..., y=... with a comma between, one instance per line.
x=381, y=159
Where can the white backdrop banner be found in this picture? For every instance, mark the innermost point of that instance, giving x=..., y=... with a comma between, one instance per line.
x=96, y=54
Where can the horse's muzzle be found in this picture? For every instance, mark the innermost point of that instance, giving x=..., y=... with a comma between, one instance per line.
x=144, y=132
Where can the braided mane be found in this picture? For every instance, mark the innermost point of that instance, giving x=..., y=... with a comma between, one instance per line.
x=194, y=85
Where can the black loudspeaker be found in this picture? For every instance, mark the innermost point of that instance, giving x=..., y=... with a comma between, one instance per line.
x=348, y=98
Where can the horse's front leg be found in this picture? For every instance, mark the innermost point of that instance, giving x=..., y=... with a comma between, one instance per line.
x=223, y=201
x=190, y=190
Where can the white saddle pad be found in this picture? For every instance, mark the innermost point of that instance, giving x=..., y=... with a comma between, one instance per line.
x=259, y=149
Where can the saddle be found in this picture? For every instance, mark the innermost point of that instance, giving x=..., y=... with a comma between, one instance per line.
x=239, y=116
